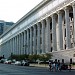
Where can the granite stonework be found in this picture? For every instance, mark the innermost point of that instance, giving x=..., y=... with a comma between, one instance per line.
x=64, y=54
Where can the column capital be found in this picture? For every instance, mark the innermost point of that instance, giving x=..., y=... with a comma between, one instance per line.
x=43, y=21
x=27, y=29
x=60, y=12
x=47, y=18
x=73, y=4
x=66, y=8
x=34, y=26
x=30, y=28
x=38, y=24
x=22, y=32
x=53, y=16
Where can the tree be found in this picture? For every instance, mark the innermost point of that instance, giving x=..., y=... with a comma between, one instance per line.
x=33, y=57
x=45, y=57
x=19, y=57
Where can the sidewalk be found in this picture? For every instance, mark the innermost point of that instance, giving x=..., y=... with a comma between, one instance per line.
x=73, y=67
x=39, y=65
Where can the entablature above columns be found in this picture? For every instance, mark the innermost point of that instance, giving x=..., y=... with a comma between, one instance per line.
x=38, y=16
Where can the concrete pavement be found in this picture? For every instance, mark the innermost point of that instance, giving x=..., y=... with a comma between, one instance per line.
x=6, y=69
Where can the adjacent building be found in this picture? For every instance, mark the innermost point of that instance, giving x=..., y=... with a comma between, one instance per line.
x=47, y=28
x=4, y=26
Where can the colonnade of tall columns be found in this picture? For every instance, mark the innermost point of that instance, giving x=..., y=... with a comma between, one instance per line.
x=42, y=37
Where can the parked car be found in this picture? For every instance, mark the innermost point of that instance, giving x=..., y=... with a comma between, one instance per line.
x=3, y=60
x=64, y=67
x=24, y=63
x=7, y=62
x=17, y=63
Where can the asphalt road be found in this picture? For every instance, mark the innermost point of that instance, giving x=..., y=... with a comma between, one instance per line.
x=23, y=70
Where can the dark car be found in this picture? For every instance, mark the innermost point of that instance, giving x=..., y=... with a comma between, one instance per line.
x=64, y=67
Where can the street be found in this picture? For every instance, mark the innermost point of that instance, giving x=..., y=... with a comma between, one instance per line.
x=6, y=69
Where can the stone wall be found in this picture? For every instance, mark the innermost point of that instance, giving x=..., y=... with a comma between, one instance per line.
x=64, y=54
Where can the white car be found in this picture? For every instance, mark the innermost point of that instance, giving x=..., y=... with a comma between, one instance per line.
x=7, y=62
x=17, y=63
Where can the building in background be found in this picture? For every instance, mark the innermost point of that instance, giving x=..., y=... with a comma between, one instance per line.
x=4, y=26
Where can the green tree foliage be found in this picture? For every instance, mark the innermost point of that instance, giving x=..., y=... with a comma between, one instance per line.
x=19, y=57
x=42, y=57
x=45, y=57
x=33, y=57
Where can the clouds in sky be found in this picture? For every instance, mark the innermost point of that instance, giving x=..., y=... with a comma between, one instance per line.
x=13, y=10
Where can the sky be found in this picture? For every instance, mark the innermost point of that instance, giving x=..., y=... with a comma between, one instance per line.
x=13, y=10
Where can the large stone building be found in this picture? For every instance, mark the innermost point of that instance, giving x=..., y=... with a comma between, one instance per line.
x=47, y=28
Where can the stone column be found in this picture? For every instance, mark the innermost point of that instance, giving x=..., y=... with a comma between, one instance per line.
x=43, y=36
x=54, y=43
x=48, y=35
x=31, y=42
x=60, y=30
x=10, y=45
x=67, y=22
x=74, y=21
x=38, y=38
x=19, y=45
x=2, y=48
x=7, y=49
x=22, y=52
x=13, y=45
x=34, y=41
x=28, y=41
x=25, y=42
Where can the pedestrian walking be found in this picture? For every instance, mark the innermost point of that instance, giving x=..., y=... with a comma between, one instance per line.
x=70, y=67
x=50, y=65
x=53, y=66
x=59, y=66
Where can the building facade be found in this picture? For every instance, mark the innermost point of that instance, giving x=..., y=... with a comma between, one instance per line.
x=4, y=26
x=47, y=28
